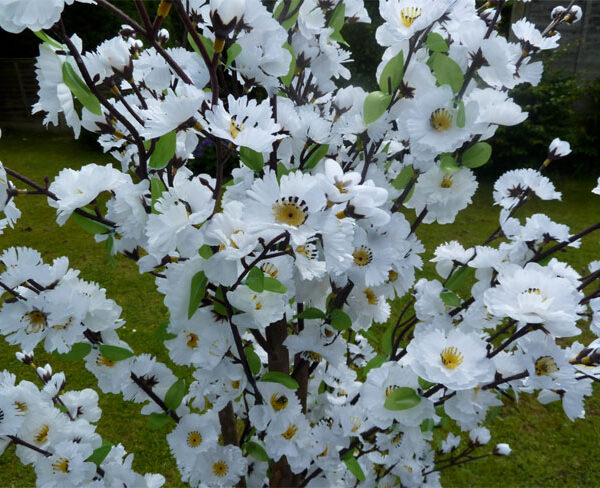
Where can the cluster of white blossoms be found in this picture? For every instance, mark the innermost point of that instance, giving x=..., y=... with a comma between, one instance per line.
x=275, y=275
x=54, y=430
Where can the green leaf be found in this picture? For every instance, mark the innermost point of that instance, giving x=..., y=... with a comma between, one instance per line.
x=400, y=181
x=393, y=71
x=208, y=44
x=386, y=339
x=446, y=71
x=115, y=353
x=375, y=106
x=448, y=163
x=233, y=52
x=256, y=451
x=109, y=244
x=354, y=467
x=337, y=36
x=81, y=91
x=281, y=171
x=100, y=454
x=281, y=378
x=450, y=299
x=273, y=285
x=336, y=22
x=311, y=313
x=436, y=43
x=402, y=398
x=157, y=420
x=156, y=190
x=374, y=363
x=255, y=280
x=287, y=24
x=254, y=160
x=461, y=117
x=89, y=225
x=477, y=155
x=287, y=79
x=425, y=385
x=175, y=394
x=197, y=291
x=253, y=360
x=316, y=156
x=78, y=351
x=46, y=38
x=205, y=251
x=161, y=332
x=459, y=278
x=340, y=320
x=427, y=425
x=217, y=307
x=164, y=150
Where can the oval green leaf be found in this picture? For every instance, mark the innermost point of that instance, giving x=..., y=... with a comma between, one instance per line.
x=340, y=320
x=164, y=150
x=477, y=155
x=253, y=360
x=402, y=398
x=392, y=74
x=197, y=291
x=115, y=353
x=375, y=106
x=281, y=378
x=81, y=91
x=175, y=394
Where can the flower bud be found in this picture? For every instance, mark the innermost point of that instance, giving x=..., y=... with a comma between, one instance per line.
x=163, y=36
x=25, y=357
x=558, y=149
x=225, y=14
x=502, y=449
x=228, y=10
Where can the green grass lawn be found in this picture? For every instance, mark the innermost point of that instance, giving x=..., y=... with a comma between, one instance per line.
x=548, y=450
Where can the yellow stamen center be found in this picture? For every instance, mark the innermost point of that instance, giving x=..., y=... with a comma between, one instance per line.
x=441, y=120
x=371, y=297
x=278, y=402
x=194, y=439
x=341, y=186
x=451, y=357
x=409, y=14
x=36, y=322
x=220, y=469
x=389, y=390
x=42, y=436
x=545, y=365
x=102, y=361
x=356, y=423
x=21, y=406
x=270, y=269
x=314, y=356
x=62, y=465
x=192, y=340
x=235, y=384
x=362, y=256
x=235, y=129
x=447, y=181
x=290, y=432
x=290, y=210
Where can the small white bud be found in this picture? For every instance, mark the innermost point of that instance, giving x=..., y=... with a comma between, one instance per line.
x=228, y=10
x=502, y=449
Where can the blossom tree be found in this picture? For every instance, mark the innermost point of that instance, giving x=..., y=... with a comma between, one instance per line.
x=278, y=274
